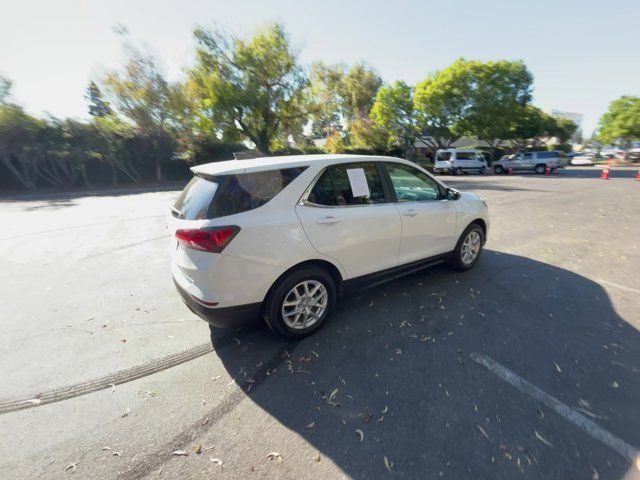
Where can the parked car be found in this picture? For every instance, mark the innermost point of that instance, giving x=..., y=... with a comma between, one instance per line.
x=531, y=161
x=457, y=162
x=283, y=237
x=633, y=155
x=584, y=159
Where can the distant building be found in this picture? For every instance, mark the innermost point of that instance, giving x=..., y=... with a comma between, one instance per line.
x=576, y=118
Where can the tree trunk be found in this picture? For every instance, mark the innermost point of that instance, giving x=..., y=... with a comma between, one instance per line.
x=85, y=178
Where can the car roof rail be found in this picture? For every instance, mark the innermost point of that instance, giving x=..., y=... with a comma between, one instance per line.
x=246, y=155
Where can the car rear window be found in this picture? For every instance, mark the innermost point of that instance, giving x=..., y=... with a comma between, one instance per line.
x=207, y=197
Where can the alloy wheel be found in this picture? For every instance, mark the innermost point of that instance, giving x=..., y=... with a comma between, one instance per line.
x=305, y=304
x=471, y=247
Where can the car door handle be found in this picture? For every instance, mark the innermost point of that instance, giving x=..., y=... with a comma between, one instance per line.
x=327, y=220
x=410, y=213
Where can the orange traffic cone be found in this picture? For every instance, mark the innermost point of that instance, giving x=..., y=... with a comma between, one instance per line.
x=605, y=172
x=547, y=171
x=510, y=171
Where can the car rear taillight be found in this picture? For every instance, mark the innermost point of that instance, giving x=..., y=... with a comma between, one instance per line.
x=213, y=239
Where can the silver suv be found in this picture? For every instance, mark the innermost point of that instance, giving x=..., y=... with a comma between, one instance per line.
x=531, y=161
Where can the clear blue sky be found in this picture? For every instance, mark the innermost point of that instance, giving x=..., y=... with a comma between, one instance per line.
x=582, y=54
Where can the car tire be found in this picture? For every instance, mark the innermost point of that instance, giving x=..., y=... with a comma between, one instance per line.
x=483, y=170
x=283, y=291
x=456, y=259
x=459, y=171
x=498, y=169
x=541, y=168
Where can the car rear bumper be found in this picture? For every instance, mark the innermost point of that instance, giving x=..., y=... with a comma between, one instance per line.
x=221, y=317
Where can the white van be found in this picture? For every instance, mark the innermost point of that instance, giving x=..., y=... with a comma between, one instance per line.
x=458, y=161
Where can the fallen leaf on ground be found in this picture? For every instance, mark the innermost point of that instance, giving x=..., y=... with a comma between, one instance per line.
x=388, y=463
x=333, y=394
x=217, y=461
x=316, y=457
x=542, y=439
x=386, y=409
x=180, y=453
x=557, y=367
x=367, y=416
x=615, y=384
x=311, y=425
x=274, y=456
x=106, y=448
x=361, y=434
x=198, y=448
x=117, y=454
x=484, y=434
x=71, y=467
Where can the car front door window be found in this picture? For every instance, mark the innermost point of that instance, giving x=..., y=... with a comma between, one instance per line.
x=411, y=185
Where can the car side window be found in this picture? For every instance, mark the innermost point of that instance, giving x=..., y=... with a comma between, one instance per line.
x=334, y=187
x=528, y=156
x=412, y=185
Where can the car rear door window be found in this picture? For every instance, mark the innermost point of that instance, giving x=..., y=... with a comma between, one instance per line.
x=412, y=185
x=207, y=197
x=334, y=188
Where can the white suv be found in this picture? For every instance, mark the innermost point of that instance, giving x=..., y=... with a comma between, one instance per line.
x=283, y=237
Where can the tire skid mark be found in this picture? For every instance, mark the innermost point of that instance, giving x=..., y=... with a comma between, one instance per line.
x=156, y=459
x=117, y=378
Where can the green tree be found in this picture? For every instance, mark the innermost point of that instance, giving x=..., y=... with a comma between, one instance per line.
x=393, y=112
x=19, y=144
x=357, y=90
x=443, y=103
x=325, y=81
x=563, y=129
x=5, y=89
x=621, y=123
x=144, y=97
x=253, y=89
x=532, y=125
x=98, y=106
x=499, y=97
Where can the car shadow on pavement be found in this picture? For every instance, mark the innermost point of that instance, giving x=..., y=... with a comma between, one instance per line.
x=388, y=384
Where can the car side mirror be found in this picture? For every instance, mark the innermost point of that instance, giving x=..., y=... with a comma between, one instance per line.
x=452, y=194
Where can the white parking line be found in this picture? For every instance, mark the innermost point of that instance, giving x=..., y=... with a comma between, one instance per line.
x=566, y=412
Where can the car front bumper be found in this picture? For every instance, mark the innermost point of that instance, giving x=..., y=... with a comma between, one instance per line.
x=222, y=317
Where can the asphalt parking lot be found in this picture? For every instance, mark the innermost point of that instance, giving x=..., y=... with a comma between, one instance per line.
x=527, y=366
